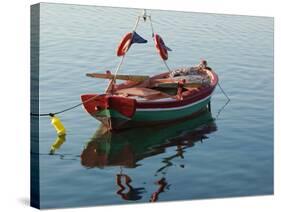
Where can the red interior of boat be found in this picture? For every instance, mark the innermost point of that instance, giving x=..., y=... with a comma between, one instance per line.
x=151, y=89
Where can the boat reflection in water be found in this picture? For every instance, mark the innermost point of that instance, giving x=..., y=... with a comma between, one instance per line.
x=126, y=148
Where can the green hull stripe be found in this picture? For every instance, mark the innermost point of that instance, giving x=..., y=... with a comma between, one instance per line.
x=168, y=114
x=156, y=115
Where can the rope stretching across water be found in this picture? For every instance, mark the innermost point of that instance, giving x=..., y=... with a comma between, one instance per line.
x=223, y=92
x=62, y=111
x=228, y=100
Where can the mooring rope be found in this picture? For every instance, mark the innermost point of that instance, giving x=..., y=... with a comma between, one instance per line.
x=228, y=100
x=221, y=109
x=223, y=92
x=65, y=110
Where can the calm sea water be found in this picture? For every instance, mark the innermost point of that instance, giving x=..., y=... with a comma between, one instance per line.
x=200, y=158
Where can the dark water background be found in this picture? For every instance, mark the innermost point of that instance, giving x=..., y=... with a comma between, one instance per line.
x=235, y=157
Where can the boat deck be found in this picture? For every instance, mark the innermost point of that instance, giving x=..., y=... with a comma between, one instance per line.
x=165, y=87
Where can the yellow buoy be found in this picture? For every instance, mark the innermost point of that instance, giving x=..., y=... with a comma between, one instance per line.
x=57, y=144
x=56, y=122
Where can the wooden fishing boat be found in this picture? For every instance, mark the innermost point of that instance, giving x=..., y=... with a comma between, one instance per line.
x=146, y=100
x=142, y=100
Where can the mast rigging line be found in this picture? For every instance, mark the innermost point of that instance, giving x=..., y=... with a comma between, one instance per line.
x=123, y=57
x=144, y=16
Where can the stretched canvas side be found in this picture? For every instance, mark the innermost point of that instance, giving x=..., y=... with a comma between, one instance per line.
x=34, y=106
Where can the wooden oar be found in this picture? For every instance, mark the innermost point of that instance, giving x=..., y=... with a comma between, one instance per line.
x=135, y=78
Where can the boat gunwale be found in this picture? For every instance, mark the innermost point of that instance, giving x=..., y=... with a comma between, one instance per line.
x=170, y=103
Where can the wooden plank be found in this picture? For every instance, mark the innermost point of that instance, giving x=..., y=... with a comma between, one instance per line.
x=142, y=92
x=175, y=85
x=160, y=95
x=135, y=78
x=191, y=82
x=170, y=84
x=189, y=78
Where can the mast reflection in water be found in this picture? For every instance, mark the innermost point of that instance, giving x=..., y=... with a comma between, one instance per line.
x=127, y=148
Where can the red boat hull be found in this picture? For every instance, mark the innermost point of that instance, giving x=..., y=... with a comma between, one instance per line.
x=117, y=112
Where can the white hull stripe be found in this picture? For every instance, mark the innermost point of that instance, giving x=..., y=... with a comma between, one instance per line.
x=173, y=108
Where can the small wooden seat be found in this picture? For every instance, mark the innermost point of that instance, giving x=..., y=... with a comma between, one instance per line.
x=136, y=91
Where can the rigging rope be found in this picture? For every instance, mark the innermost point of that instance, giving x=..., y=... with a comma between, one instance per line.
x=118, y=67
x=144, y=15
x=123, y=57
x=136, y=24
x=152, y=30
x=151, y=26
x=167, y=66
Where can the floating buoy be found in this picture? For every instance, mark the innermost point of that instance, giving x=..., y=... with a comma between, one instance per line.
x=56, y=122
